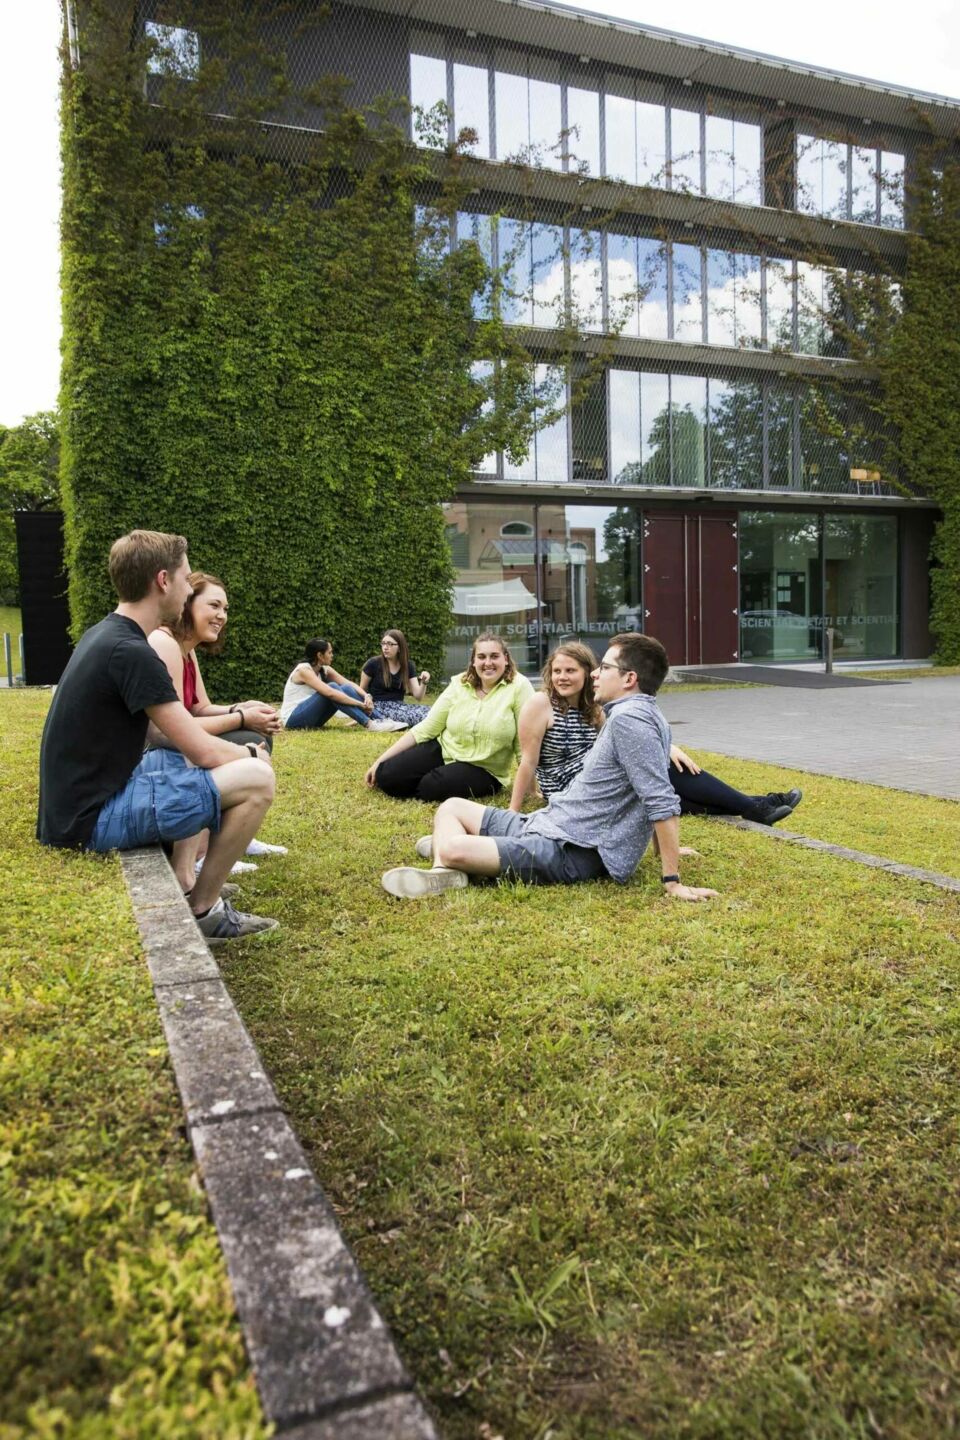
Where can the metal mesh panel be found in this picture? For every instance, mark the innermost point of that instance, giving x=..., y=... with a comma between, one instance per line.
x=719, y=231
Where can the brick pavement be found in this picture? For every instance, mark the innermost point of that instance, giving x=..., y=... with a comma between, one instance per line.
x=903, y=736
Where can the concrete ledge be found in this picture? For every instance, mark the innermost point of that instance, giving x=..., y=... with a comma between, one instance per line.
x=842, y=852
x=324, y=1361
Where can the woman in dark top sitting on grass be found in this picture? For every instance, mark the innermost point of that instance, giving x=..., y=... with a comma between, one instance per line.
x=390, y=676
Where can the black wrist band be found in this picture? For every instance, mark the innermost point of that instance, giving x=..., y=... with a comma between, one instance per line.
x=669, y=879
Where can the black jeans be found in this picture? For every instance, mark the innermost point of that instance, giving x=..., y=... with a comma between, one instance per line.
x=420, y=774
x=704, y=794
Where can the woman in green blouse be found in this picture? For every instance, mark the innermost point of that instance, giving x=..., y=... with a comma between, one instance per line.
x=467, y=745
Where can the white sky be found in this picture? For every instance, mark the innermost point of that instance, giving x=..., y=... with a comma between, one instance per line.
x=915, y=45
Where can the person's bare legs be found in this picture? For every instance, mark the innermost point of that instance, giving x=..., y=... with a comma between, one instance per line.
x=457, y=842
x=185, y=855
x=246, y=792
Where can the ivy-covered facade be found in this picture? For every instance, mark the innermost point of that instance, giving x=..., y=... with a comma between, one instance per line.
x=692, y=250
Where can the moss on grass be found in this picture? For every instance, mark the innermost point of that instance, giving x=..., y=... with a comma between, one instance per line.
x=117, y=1317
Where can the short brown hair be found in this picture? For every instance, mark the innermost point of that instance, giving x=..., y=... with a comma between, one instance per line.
x=137, y=558
x=645, y=656
x=489, y=637
x=182, y=629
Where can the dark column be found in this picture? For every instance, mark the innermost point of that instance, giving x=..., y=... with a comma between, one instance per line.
x=43, y=595
x=916, y=532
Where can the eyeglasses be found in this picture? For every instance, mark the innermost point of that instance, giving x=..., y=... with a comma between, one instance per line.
x=612, y=665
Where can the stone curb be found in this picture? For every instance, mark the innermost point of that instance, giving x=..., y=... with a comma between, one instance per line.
x=323, y=1359
x=842, y=852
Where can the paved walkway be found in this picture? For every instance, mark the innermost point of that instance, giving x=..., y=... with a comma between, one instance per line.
x=903, y=736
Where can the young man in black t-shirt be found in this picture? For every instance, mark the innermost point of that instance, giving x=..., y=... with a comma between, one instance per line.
x=96, y=790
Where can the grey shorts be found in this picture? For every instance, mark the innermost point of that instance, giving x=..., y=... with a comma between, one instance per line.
x=538, y=859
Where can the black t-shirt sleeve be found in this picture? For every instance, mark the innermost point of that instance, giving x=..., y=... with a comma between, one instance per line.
x=371, y=667
x=140, y=675
x=411, y=670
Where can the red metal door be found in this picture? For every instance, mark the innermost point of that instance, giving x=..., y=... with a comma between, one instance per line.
x=665, y=583
x=691, y=594
x=719, y=590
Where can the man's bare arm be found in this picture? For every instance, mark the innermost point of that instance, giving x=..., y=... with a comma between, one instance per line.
x=667, y=833
x=188, y=736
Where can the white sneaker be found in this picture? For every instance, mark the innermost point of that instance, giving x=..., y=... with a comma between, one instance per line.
x=260, y=847
x=384, y=725
x=243, y=867
x=424, y=847
x=407, y=882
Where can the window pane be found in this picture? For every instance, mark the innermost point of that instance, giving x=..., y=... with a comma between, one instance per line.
x=623, y=308
x=586, y=293
x=624, y=388
x=471, y=106
x=516, y=298
x=546, y=123
x=860, y=579
x=720, y=165
x=583, y=131
x=479, y=229
x=651, y=144
x=176, y=51
x=495, y=581
x=482, y=372
x=685, y=150
x=621, y=136
x=810, y=308
x=736, y=434
x=780, y=303
x=779, y=586
x=823, y=446
x=747, y=163
x=891, y=190
x=721, y=298
x=863, y=181
x=688, y=397
x=821, y=176
x=655, y=428
x=747, y=316
x=549, y=299
x=687, y=307
x=553, y=466
x=591, y=564
x=512, y=107
x=428, y=86
x=588, y=434
x=780, y=411
x=652, y=277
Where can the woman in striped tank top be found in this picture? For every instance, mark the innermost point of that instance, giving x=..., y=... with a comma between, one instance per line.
x=558, y=727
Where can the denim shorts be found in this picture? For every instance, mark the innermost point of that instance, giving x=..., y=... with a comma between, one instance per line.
x=166, y=798
x=538, y=859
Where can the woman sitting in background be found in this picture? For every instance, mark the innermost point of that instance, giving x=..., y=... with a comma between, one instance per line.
x=314, y=691
x=389, y=676
x=467, y=744
x=558, y=727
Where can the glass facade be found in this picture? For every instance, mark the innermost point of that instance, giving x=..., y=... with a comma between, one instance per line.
x=846, y=181
x=547, y=572
x=802, y=572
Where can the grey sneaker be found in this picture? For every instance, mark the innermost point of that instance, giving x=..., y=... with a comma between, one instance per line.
x=384, y=725
x=222, y=923
x=424, y=847
x=407, y=882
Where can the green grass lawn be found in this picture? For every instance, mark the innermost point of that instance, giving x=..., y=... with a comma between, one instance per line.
x=116, y=1317
x=614, y=1166
x=10, y=624
x=918, y=672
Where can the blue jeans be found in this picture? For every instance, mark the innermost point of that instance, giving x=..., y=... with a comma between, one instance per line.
x=316, y=711
x=164, y=799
